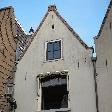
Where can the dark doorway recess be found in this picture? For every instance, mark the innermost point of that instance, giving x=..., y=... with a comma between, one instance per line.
x=54, y=97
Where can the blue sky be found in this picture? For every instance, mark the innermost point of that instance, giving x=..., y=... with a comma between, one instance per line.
x=84, y=16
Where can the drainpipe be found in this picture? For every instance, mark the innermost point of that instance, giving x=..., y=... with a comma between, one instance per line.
x=95, y=74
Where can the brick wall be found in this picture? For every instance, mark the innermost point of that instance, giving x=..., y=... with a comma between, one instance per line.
x=10, y=34
x=7, y=51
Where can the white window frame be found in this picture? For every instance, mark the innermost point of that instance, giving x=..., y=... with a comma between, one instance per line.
x=45, y=54
x=39, y=88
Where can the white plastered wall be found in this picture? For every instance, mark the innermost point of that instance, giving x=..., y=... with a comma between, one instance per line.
x=81, y=80
x=104, y=71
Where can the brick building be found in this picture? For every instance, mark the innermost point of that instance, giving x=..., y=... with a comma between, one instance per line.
x=11, y=37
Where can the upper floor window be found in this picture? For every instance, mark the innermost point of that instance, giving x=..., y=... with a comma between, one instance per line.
x=53, y=50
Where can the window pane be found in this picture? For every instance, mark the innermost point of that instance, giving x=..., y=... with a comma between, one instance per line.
x=57, y=54
x=50, y=46
x=53, y=50
x=50, y=56
x=57, y=45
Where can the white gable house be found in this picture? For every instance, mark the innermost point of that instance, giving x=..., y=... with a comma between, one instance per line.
x=56, y=72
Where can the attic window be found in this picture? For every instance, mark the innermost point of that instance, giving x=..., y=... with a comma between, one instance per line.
x=53, y=50
x=51, y=99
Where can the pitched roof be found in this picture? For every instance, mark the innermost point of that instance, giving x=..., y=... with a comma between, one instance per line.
x=105, y=18
x=54, y=9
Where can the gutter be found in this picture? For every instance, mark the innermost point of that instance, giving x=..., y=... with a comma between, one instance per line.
x=95, y=74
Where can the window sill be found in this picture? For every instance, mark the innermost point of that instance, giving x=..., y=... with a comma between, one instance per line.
x=55, y=60
x=57, y=110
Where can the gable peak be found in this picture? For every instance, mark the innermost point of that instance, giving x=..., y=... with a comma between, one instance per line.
x=52, y=8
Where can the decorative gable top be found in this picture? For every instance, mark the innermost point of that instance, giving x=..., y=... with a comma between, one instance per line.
x=52, y=8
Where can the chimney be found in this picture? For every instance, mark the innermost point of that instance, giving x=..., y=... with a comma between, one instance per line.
x=52, y=8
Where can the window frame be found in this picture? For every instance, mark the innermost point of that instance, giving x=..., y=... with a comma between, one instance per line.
x=39, y=90
x=43, y=105
x=46, y=43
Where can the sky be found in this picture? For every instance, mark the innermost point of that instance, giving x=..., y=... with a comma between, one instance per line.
x=84, y=16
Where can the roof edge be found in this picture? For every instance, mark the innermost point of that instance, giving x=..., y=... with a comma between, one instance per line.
x=19, y=24
x=72, y=31
x=104, y=19
x=8, y=7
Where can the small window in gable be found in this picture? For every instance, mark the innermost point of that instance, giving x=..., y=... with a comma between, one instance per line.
x=53, y=50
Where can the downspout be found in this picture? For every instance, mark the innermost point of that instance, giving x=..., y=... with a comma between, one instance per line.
x=95, y=74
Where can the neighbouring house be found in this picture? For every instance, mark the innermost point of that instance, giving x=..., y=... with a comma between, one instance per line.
x=56, y=72
x=103, y=46
x=11, y=38
x=7, y=52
